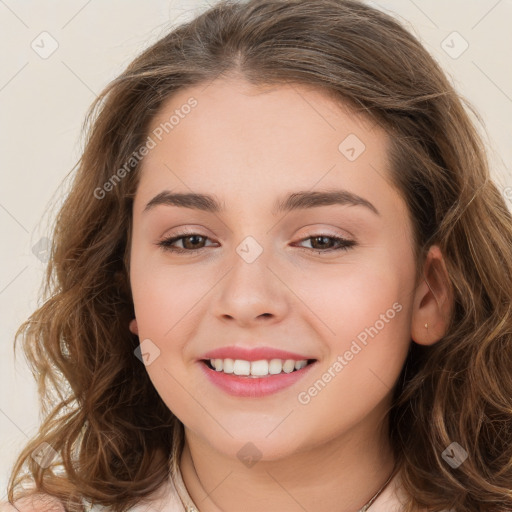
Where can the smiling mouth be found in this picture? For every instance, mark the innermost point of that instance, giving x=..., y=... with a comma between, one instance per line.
x=263, y=368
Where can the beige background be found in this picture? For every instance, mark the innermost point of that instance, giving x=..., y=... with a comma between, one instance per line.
x=43, y=103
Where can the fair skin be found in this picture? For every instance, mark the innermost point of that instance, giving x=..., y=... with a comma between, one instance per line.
x=249, y=147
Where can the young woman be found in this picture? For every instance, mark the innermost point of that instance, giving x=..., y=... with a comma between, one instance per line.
x=280, y=282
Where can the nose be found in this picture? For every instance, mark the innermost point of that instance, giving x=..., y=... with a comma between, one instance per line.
x=252, y=292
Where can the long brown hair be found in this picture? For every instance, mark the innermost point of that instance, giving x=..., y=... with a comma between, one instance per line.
x=113, y=434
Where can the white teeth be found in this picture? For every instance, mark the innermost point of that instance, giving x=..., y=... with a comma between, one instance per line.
x=289, y=366
x=261, y=368
x=228, y=365
x=275, y=366
x=300, y=364
x=242, y=367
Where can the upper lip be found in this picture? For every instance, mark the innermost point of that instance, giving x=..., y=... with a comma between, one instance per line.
x=252, y=354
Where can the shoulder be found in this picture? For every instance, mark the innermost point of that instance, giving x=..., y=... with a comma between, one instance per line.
x=34, y=503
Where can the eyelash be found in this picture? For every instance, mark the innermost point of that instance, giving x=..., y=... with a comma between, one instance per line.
x=166, y=244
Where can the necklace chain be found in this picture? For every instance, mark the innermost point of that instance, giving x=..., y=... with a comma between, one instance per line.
x=370, y=503
x=193, y=508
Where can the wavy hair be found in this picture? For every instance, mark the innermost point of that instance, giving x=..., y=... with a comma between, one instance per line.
x=113, y=434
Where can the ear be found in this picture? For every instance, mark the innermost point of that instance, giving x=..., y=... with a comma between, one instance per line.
x=133, y=327
x=433, y=300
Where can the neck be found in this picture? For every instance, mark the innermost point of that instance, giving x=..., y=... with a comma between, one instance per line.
x=341, y=475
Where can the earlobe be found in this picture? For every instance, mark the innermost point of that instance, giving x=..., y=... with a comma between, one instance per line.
x=432, y=303
x=133, y=327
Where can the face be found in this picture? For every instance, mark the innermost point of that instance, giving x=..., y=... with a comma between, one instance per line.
x=326, y=279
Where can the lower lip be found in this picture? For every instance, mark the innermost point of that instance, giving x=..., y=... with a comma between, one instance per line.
x=254, y=387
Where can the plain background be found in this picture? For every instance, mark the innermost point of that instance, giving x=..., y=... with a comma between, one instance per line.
x=43, y=100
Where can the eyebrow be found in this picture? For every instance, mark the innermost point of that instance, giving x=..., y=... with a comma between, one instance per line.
x=295, y=201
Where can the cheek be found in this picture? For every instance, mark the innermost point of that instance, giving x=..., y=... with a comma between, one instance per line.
x=365, y=313
x=164, y=296
x=348, y=298
x=365, y=356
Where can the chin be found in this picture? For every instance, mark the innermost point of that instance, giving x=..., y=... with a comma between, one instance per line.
x=251, y=445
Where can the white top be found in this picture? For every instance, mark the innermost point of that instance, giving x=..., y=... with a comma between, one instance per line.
x=173, y=497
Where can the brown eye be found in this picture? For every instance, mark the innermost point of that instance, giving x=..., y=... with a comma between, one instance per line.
x=194, y=242
x=324, y=243
x=191, y=242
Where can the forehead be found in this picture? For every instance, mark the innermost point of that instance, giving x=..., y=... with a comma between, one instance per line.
x=238, y=137
x=230, y=103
